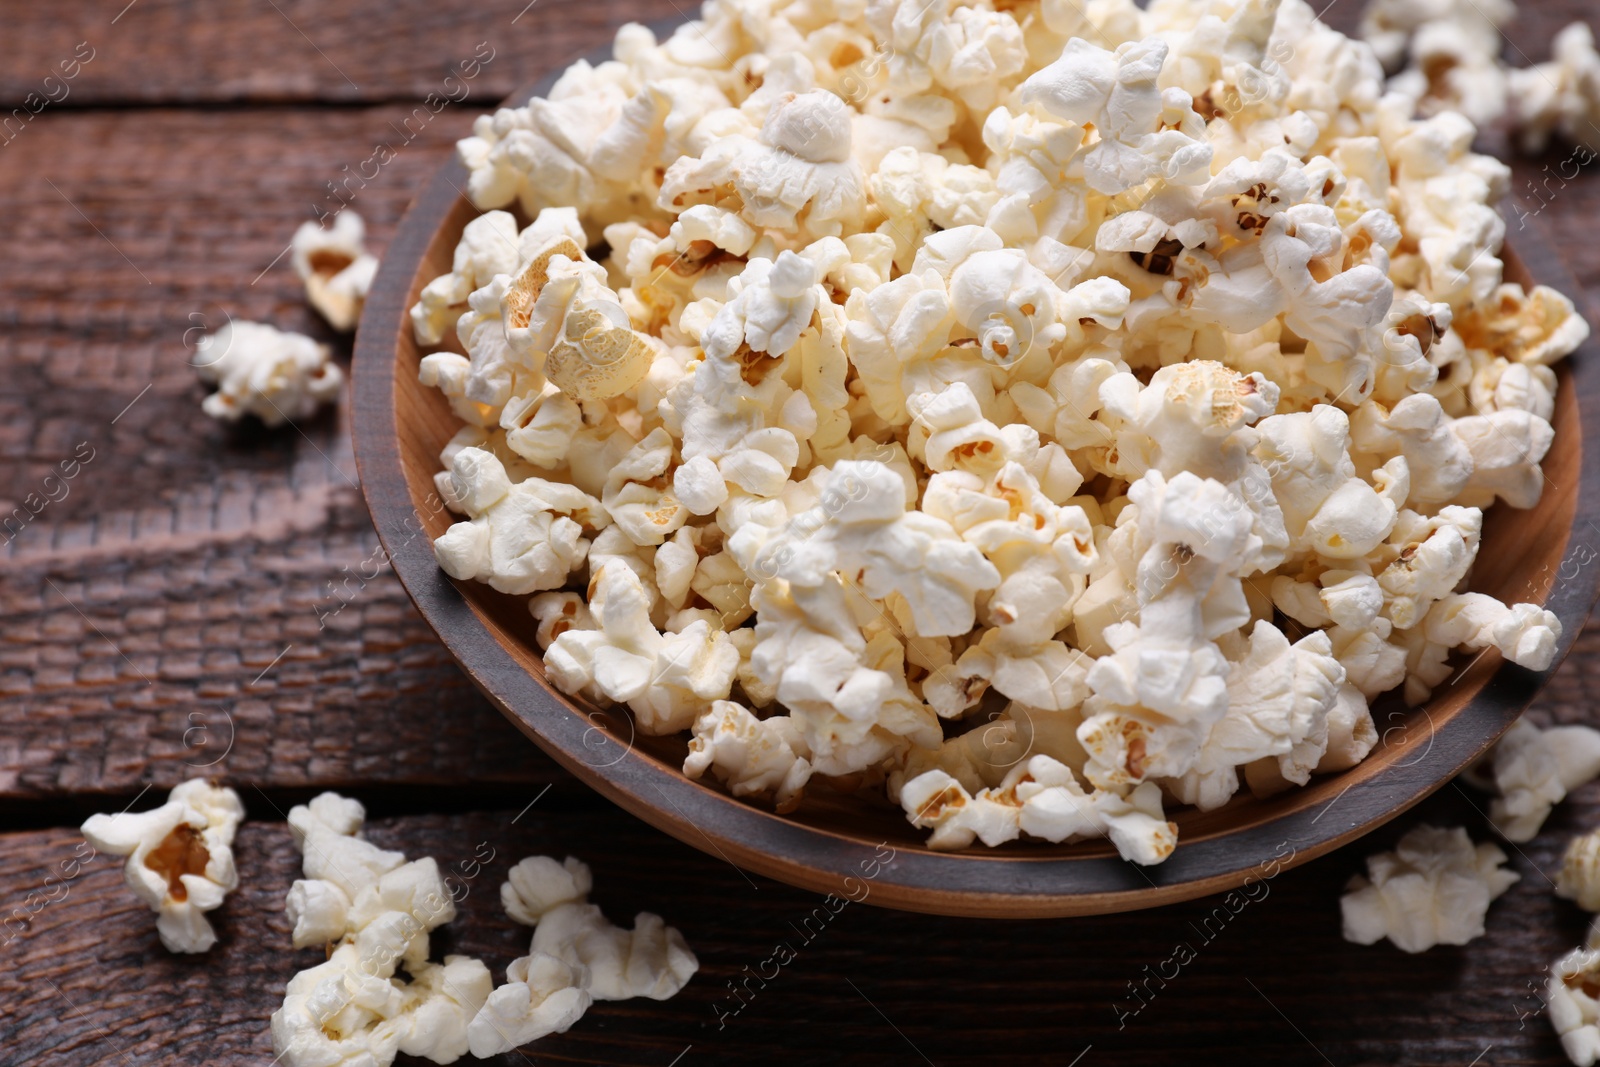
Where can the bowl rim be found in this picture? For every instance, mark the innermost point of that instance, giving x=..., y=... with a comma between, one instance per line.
x=1001, y=885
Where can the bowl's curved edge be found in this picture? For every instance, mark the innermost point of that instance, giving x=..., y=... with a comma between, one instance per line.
x=975, y=885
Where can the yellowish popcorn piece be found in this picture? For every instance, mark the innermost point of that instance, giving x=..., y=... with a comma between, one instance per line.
x=336, y=268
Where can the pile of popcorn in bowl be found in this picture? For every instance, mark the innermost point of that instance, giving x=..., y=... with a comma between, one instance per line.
x=1044, y=415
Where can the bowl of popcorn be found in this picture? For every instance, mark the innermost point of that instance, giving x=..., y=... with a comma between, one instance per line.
x=1034, y=460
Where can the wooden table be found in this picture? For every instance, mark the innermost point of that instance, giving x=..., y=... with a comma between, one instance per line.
x=168, y=617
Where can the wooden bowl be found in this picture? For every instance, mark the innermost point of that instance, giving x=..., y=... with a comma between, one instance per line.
x=839, y=844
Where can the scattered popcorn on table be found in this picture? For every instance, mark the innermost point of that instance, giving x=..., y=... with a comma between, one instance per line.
x=373, y=911
x=1046, y=419
x=1561, y=95
x=180, y=858
x=1433, y=889
x=1532, y=770
x=336, y=268
x=577, y=957
x=265, y=372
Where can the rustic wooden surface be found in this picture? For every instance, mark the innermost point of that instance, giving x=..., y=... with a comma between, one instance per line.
x=179, y=586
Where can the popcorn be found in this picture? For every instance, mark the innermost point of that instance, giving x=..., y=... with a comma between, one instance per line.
x=1574, y=1009
x=1433, y=889
x=1450, y=49
x=1579, y=879
x=1145, y=131
x=1525, y=633
x=664, y=678
x=180, y=858
x=1536, y=328
x=488, y=247
x=796, y=173
x=520, y=538
x=749, y=755
x=941, y=357
x=271, y=374
x=373, y=911
x=577, y=957
x=1041, y=798
x=889, y=550
x=1560, y=96
x=336, y=268
x=561, y=316
x=1532, y=770
x=1279, y=698
x=969, y=50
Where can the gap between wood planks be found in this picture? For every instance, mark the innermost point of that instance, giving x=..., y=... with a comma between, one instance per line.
x=382, y=801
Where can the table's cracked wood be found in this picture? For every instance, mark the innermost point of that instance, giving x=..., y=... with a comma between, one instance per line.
x=185, y=606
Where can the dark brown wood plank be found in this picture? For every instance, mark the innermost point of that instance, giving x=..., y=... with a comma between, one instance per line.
x=188, y=557
x=87, y=981
x=161, y=52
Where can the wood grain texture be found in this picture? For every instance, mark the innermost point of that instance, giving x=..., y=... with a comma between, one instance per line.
x=187, y=556
x=299, y=51
x=868, y=987
x=202, y=200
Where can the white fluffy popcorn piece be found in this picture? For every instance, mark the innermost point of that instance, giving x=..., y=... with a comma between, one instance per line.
x=1537, y=327
x=795, y=173
x=179, y=858
x=262, y=371
x=541, y=996
x=1326, y=507
x=666, y=679
x=373, y=911
x=339, y=865
x=599, y=129
x=1163, y=686
x=1449, y=50
x=339, y=1012
x=577, y=957
x=519, y=537
x=966, y=52
x=488, y=247
x=336, y=268
x=1532, y=770
x=1561, y=96
x=1446, y=193
x=1525, y=634
x=1351, y=732
x=751, y=756
x=848, y=694
x=1433, y=889
x=1279, y=699
x=1388, y=25
x=1579, y=879
x=884, y=549
x=1144, y=131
